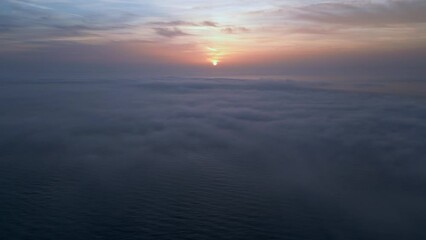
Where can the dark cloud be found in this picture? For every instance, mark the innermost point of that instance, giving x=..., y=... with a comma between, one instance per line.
x=184, y=23
x=170, y=32
x=235, y=30
x=174, y=23
x=209, y=24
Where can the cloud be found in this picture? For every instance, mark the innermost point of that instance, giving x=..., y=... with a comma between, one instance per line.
x=209, y=24
x=173, y=23
x=312, y=30
x=184, y=23
x=32, y=20
x=235, y=30
x=363, y=14
x=170, y=32
x=280, y=149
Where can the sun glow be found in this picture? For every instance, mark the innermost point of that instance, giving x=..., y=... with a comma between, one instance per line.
x=214, y=56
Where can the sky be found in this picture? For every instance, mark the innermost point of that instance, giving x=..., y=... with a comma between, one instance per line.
x=246, y=37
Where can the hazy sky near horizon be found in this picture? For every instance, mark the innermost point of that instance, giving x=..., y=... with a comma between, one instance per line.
x=355, y=37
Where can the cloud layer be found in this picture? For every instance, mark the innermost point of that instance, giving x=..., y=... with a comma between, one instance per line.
x=119, y=158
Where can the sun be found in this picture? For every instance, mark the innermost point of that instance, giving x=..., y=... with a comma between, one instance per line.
x=215, y=62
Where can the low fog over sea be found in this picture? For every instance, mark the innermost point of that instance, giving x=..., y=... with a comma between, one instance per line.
x=211, y=158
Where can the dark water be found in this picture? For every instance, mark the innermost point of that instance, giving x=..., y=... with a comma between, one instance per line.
x=209, y=159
